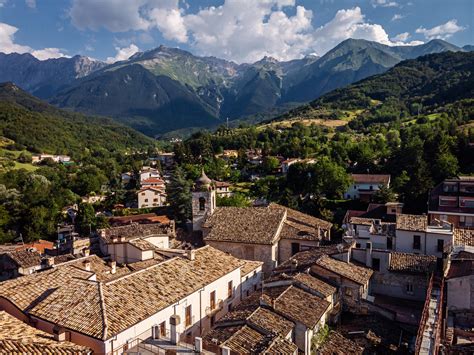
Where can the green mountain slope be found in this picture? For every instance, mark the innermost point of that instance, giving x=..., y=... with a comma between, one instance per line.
x=39, y=127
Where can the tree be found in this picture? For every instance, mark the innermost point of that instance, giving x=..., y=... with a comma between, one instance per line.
x=25, y=157
x=179, y=195
x=86, y=220
x=270, y=164
x=384, y=195
x=236, y=200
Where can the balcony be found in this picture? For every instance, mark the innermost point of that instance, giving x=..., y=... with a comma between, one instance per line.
x=210, y=311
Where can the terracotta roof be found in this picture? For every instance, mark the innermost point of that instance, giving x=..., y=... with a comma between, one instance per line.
x=302, y=219
x=337, y=344
x=39, y=245
x=139, y=218
x=298, y=305
x=413, y=263
x=17, y=337
x=349, y=271
x=281, y=346
x=460, y=269
x=411, y=222
x=463, y=236
x=271, y=321
x=249, y=266
x=253, y=225
x=65, y=296
x=371, y=178
x=153, y=188
x=245, y=340
x=315, y=284
x=222, y=184
x=25, y=258
x=152, y=180
x=134, y=231
x=305, y=259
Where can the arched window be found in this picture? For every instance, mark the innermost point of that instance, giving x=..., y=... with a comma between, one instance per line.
x=202, y=203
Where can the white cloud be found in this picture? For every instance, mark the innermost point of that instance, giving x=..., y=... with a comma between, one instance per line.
x=443, y=31
x=8, y=45
x=401, y=37
x=123, y=53
x=170, y=23
x=31, y=4
x=384, y=3
x=397, y=17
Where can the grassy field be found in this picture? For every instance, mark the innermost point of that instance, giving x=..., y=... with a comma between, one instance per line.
x=7, y=156
x=430, y=117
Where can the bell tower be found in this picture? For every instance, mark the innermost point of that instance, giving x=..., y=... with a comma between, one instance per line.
x=203, y=201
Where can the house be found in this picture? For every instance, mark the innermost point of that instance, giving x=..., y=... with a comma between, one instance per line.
x=453, y=201
x=336, y=343
x=17, y=337
x=399, y=275
x=56, y=158
x=180, y=297
x=285, y=164
x=166, y=159
x=144, y=218
x=135, y=242
x=19, y=263
x=351, y=279
x=153, y=182
x=149, y=197
x=365, y=185
x=223, y=188
x=463, y=237
x=93, y=198
x=269, y=234
x=148, y=173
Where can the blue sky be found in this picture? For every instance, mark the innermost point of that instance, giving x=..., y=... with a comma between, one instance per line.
x=240, y=30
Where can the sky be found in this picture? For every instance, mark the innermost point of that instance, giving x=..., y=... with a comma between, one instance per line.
x=238, y=30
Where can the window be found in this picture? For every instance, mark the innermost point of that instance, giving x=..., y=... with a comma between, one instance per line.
x=466, y=202
x=213, y=320
x=229, y=308
x=163, y=329
x=450, y=187
x=348, y=291
x=155, y=200
x=394, y=210
x=409, y=288
x=143, y=194
x=255, y=274
x=202, y=203
x=188, y=316
x=212, y=300
x=389, y=243
x=371, y=187
x=440, y=245
x=230, y=289
x=295, y=248
x=146, y=200
x=376, y=264
x=416, y=242
x=449, y=201
x=357, y=245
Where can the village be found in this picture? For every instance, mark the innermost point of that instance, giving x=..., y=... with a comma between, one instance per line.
x=257, y=279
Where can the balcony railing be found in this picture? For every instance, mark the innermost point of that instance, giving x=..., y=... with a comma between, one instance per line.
x=210, y=311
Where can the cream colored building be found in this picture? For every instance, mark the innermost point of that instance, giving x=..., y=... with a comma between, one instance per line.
x=149, y=197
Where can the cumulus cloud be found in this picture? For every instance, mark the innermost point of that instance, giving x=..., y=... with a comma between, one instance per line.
x=443, y=31
x=397, y=17
x=384, y=3
x=402, y=38
x=171, y=23
x=123, y=53
x=8, y=45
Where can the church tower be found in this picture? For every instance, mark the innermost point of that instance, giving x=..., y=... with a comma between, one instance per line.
x=204, y=200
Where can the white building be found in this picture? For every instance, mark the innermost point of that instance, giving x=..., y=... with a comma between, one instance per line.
x=149, y=173
x=111, y=311
x=56, y=158
x=151, y=197
x=365, y=185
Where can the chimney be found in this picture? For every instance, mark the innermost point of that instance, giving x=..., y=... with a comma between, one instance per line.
x=198, y=344
x=174, y=324
x=59, y=334
x=191, y=254
x=389, y=260
x=368, y=254
x=86, y=252
x=294, y=264
x=87, y=265
x=113, y=267
x=50, y=261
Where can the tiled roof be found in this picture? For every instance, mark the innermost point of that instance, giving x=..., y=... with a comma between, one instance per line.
x=301, y=306
x=64, y=296
x=315, y=284
x=249, y=266
x=281, y=346
x=371, y=178
x=133, y=231
x=411, y=222
x=254, y=225
x=463, y=236
x=349, y=271
x=413, y=263
x=305, y=259
x=17, y=337
x=303, y=218
x=25, y=258
x=140, y=218
x=460, y=268
x=245, y=340
x=337, y=344
x=142, y=244
x=270, y=321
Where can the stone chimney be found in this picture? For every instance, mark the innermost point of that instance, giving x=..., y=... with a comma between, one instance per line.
x=59, y=334
x=174, y=324
x=50, y=261
x=87, y=265
x=191, y=254
x=294, y=264
x=113, y=267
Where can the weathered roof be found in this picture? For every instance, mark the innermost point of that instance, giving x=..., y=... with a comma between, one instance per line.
x=140, y=218
x=25, y=258
x=337, y=344
x=17, y=337
x=349, y=271
x=65, y=296
x=411, y=222
x=250, y=266
x=412, y=263
x=253, y=225
x=133, y=231
x=305, y=259
x=302, y=218
x=463, y=236
x=281, y=346
x=245, y=340
x=142, y=244
x=315, y=284
x=371, y=178
x=298, y=305
x=460, y=268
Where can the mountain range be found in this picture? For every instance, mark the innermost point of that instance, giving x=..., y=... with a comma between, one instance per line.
x=166, y=89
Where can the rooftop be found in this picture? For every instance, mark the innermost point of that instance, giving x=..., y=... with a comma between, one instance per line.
x=25, y=258
x=371, y=178
x=250, y=266
x=134, y=231
x=67, y=296
x=17, y=337
x=463, y=236
x=315, y=284
x=140, y=218
x=411, y=222
x=412, y=263
x=337, y=344
x=352, y=272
